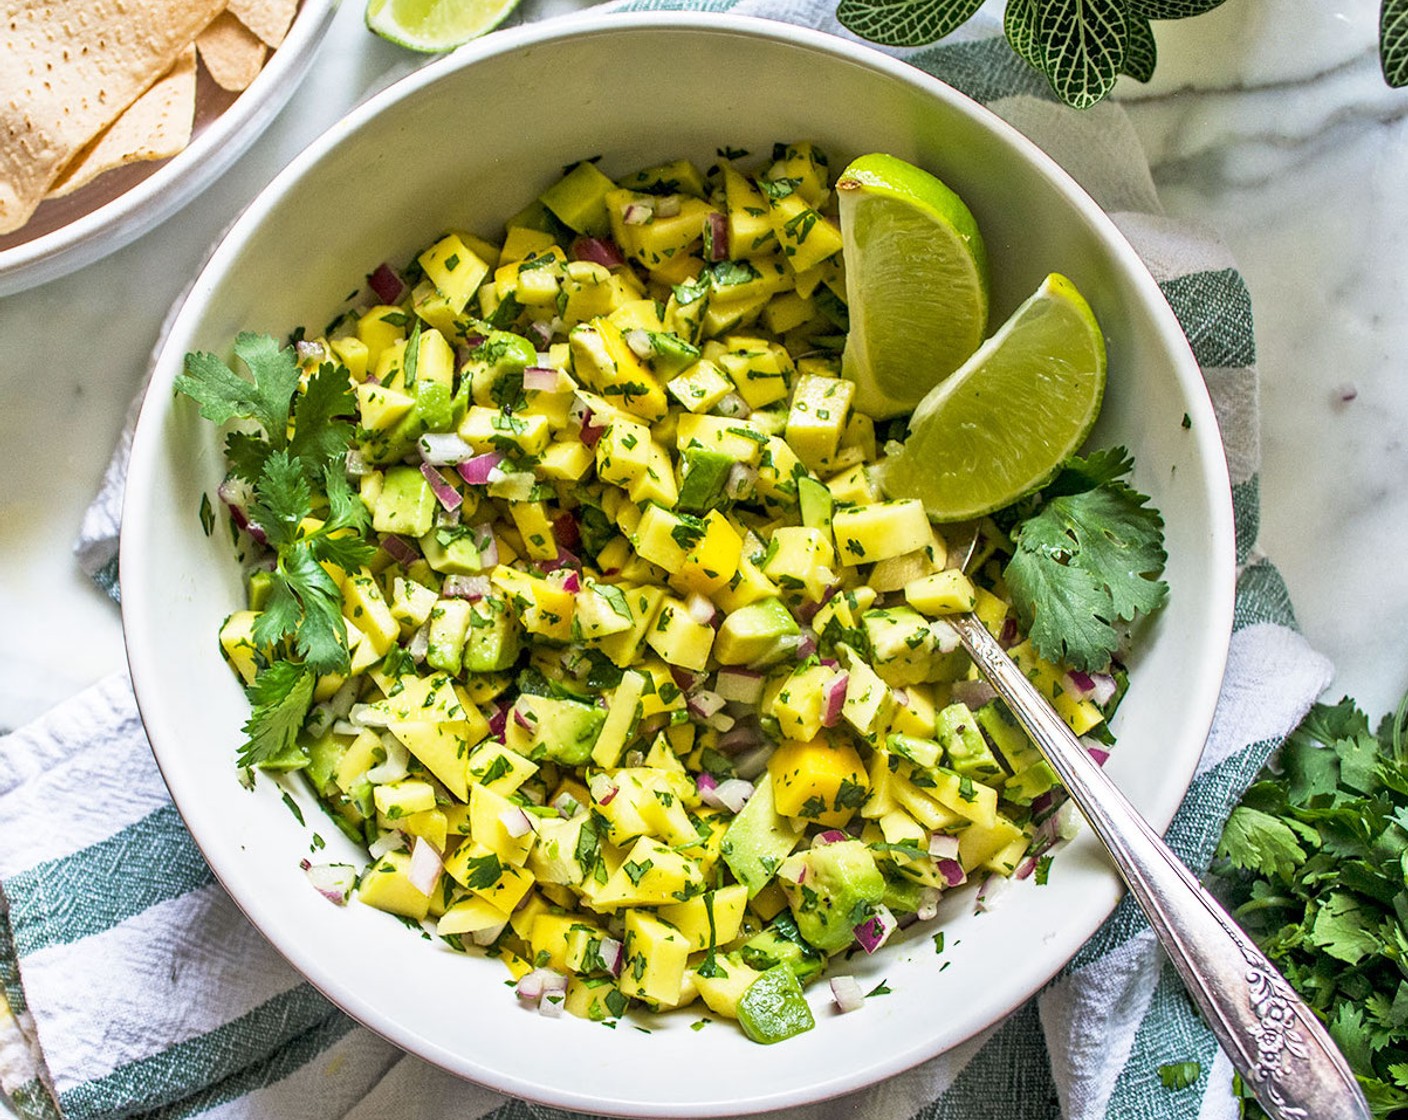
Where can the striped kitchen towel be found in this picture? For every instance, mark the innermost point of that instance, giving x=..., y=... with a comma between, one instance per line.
x=134, y=988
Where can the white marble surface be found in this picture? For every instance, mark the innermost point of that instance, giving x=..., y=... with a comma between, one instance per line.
x=1268, y=120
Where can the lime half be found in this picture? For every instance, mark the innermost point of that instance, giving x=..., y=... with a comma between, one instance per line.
x=1003, y=424
x=435, y=25
x=916, y=282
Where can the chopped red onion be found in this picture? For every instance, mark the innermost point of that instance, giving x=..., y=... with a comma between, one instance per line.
x=989, y=893
x=846, y=991
x=1346, y=391
x=566, y=532
x=476, y=471
x=943, y=846
x=731, y=794
x=1096, y=751
x=516, y=822
x=875, y=931
x=639, y=342
x=834, y=699
x=488, y=547
x=598, y=250
x=704, y=703
x=1079, y=684
x=972, y=694
x=425, y=866
x=740, y=482
x=498, y=721
x=700, y=609
x=1009, y=635
x=946, y=638
x=706, y=781
x=443, y=449
x=928, y=908
x=687, y=679
x=445, y=494
x=386, y=284
x=744, y=737
x=400, y=550
x=237, y=494
x=540, y=379
x=520, y=717
x=952, y=871
x=721, y=721
x=365, y=715
x=732, y=406
x=472, y=588
x=356, y=464
x=386, y=842
x=742, y=685
x=717, y=241
x=334, y=881
x=535, y=984
x=637, y=214
x=551, y=1005
x=830, y=836
x=754, y=762
x=1103, y=690
x=613, y=955
x=603, y=789
x=807, y=645
x=309, y=350
x=419, y=645
x=901, y=697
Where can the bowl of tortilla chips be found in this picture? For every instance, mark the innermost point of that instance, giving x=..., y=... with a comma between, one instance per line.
x=115, y=113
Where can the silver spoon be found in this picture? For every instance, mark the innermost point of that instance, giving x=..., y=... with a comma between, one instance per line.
x=1277, y=1044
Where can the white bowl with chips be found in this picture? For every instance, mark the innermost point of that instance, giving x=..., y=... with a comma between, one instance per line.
x=74, y=229
x=463, y=144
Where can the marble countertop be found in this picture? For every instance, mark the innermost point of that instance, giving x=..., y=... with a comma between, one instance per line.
x=1268, y=121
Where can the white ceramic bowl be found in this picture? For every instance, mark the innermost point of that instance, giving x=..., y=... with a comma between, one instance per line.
x=463, y=143
x=119, y=206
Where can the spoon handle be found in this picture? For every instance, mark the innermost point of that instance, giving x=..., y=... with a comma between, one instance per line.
x=1275, y=1041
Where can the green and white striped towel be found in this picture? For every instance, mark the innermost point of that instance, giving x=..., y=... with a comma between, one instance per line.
x=137, y=989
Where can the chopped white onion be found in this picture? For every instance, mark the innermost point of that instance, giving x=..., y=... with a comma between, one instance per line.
x=847, y=993
x=668, y=206
x=368, y=715
x=704, y=703
x=425, y=867
x=386, y=842
x=731, y=794
x=946, y=638
x=444, y=449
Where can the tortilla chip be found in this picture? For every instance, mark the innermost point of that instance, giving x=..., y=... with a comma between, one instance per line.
x=71, y=67
x=232, y=53
x=155, y=126
x=269, y=19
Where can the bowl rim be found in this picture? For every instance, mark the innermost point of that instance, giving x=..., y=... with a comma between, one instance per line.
x=181, y=178
x=143, y=641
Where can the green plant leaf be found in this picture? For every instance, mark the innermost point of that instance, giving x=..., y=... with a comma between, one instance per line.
x=904, y=23
x=1171, y=9
x=1141, y=53
x=1393, y=42
x=1019, y=25
x=1082, y=46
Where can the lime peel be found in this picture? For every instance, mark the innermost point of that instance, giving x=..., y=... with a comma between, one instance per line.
x=435, y=26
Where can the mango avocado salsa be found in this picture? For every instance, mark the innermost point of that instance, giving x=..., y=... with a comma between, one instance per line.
x=574, y=598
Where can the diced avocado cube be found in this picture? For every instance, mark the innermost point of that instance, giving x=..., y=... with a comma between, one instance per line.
x=562, y=730
x=816, y=504
x=407, y=503
x=774, y=1008
x=965, y=749
x=449, y=625
x=781, y=944
x=703, y=476
x=832, y=889
x=434, y=411
x=491, y=645
x=453, y=549
x=758, y=839
x=756, y=634
x=670, y=354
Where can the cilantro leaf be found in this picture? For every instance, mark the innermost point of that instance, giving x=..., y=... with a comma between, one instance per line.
x=282, y=499
x=1179, y=1075
x=1257, y=841
x=279, y=700
x=223, y=395
x=1087, y=559
x=322, y=429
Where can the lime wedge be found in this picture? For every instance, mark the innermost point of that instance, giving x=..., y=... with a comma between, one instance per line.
x=1003, y=424
x=916, y=282
x=435, y=25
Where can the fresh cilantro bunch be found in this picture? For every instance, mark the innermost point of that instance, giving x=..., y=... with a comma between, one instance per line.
x=1087, y=554
x=1081, y=46
x=292, y=449
x=1312, y=863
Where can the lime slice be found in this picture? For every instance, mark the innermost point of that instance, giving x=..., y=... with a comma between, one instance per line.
x=1003, y=424
x=435, y=25
x=916, y=282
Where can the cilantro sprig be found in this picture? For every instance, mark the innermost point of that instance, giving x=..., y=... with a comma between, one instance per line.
x=291, y=446
x=1087, y=556
x=1312, y=865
